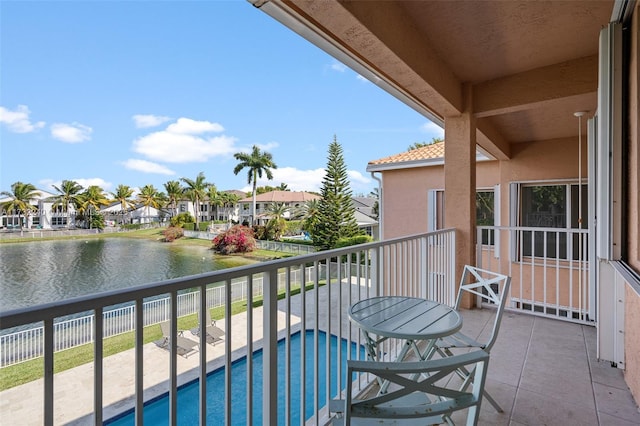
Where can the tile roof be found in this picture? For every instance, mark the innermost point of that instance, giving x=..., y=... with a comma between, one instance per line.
x=283, y=197
x=432, y=151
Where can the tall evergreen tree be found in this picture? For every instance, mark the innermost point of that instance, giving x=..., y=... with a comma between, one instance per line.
x=336, y=214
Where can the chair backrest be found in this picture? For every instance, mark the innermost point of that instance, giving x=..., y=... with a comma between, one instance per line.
x=486, y=286
x=166, y=329
x=426, y=390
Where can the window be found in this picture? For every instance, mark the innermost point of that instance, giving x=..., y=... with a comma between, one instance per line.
x=485, y=207
x=554, y=207
x=58, y=221
x=485, y=212
x=183, y=208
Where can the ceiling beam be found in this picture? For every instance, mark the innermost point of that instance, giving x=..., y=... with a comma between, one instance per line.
x=522, y=91
x=491, y=141
x=390, y=49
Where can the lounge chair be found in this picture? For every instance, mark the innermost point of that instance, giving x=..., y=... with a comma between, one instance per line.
x=184, y=346
x=214, y=334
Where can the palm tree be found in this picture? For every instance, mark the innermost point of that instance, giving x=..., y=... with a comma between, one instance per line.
x=174, y=193
x=124, y=196
x=258, y=163
x=229, y=199
x=69, y=191
x=277, y=223
x=91, y=200
x=21, y=195
x=149, y=196
x=196, y=190
x=308, y=213
x=216, y=199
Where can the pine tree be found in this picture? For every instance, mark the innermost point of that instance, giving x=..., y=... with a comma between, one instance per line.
x=336, y=214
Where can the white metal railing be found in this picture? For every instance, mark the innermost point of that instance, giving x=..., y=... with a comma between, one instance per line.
x=339, y=278
x=549, y=269
x=24, y=345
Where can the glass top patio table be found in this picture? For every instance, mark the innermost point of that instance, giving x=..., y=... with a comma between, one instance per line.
x=407, y=318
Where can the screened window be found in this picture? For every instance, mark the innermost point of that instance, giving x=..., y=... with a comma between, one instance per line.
x=558, y=208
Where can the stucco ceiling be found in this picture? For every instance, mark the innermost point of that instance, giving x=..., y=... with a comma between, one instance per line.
x=522, y=67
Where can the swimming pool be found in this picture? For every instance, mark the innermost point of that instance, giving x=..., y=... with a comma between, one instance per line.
x=156, y=411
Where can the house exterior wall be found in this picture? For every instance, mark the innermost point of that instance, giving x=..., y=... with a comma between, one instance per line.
x=632, y=294
x=405, y=204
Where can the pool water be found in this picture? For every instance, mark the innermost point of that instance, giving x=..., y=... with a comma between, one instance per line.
x=156, y=412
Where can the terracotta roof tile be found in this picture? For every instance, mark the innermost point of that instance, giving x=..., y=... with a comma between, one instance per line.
x=434, y=150
x=283, y=197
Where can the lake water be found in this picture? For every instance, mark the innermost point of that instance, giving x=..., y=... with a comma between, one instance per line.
x=47, y=271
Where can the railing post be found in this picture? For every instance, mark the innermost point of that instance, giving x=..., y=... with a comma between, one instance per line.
x=375, y=270
x=270, y=350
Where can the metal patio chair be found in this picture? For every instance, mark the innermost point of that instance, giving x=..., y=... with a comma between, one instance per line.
x=487, y=286
x=419, y=392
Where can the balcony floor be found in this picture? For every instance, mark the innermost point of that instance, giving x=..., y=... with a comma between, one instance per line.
x=545, y=372
x=542, y=372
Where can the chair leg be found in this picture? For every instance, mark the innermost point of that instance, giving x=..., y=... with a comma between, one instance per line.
x=492, y=401
x=466, y=375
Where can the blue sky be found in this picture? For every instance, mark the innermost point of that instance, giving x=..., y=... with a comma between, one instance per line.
x=143, y=92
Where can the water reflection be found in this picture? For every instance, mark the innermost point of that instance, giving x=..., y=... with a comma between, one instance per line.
x=47, y=271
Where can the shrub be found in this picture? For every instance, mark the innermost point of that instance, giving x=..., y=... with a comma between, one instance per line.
x=172, y=233
x=181, y=219
x=238, y=239
x=352, y=241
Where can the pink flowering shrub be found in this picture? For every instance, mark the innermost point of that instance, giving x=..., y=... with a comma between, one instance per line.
x=238, y=239
x=172, y=233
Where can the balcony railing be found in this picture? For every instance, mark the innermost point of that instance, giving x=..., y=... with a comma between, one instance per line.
x=549, y=269
x=420, y=265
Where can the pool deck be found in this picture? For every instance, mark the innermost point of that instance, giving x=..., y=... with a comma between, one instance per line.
x=73, y=400
x=542, y=371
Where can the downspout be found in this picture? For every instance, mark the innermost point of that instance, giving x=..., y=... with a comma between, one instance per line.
x=380, y=215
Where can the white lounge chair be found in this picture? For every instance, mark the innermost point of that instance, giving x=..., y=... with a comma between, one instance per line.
x=214, y=334
x=185, y=346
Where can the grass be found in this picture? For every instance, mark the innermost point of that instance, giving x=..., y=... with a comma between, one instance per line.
x=28, y=371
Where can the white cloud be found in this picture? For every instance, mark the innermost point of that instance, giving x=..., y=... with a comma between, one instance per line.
x=433, y=130
x=296, y=179
x=357, y=177
x=148, y=120
x=147, y=167
x=71, y=133
x=18, y=121
x=309, y=180
x=84, y=182
x=337, y=66
x=267, y=146
x=187, y=126
x=361, y=78
x=176, y=148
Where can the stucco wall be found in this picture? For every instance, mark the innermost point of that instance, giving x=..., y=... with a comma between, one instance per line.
x=632, y=342
x=405, y=195
x=632, y=298
x=405, y=191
